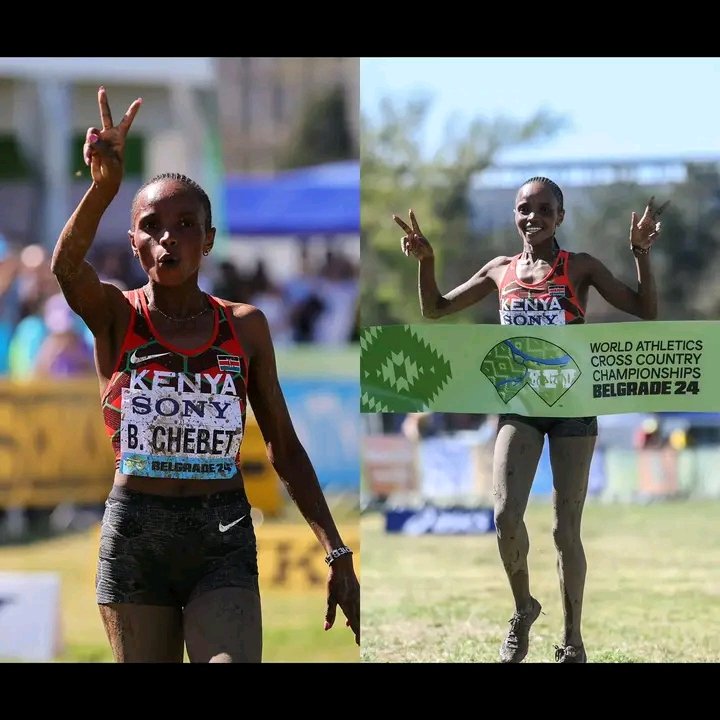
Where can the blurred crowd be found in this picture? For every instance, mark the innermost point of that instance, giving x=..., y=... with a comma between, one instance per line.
x=318, y=304
x=418, y=426
x=41, y=336
x=631, y=431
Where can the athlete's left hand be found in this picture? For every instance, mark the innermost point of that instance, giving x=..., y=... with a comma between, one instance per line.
x=343, y=589
x=645, y=231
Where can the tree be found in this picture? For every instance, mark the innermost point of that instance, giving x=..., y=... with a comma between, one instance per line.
x=683, y=260
x=395, y=176
x=323, y=133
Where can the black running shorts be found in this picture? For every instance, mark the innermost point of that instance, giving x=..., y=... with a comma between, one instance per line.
x=556, y=427
x=158, y=550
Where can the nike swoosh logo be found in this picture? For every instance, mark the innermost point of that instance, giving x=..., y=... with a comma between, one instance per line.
x=225, y=528
x=135, y=360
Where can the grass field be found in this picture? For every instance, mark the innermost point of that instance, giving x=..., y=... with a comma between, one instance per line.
x=293, y=621
x=652, y=592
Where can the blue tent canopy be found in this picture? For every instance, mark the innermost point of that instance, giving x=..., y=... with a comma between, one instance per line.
x=324, y=199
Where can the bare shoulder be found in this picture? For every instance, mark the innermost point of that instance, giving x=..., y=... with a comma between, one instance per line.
x=250, y=324
x=241, y=310
x=584, y=262
x=500, y=261
x=582, y=257
x=116, y=294
x=495, y=266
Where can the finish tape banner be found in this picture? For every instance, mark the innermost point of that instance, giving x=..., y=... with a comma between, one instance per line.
x=566, y=371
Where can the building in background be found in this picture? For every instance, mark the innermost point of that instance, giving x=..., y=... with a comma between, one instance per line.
x=276, y=115
x=493, y=191
x=186, y=125
x=306, y=284
x=46, y=106
x=263, y=100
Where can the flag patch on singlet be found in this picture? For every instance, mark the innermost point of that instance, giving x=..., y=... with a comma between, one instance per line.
x=229, y=363
x=556, y=290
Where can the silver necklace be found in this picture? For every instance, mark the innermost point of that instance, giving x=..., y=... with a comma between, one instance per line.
x=179, y=320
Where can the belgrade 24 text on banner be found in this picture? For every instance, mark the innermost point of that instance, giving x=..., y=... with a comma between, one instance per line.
x=567, y=371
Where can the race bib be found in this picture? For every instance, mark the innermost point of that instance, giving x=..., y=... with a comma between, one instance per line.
x=533, y=311
x=164, y=433
x=533, y=317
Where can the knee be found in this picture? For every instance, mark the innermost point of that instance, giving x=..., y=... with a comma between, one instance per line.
x=507, y=524
x=566, y=537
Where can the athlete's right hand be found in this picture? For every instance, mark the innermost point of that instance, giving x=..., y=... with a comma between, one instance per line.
x=644, y=232
x=414, y=242
x=104, y=148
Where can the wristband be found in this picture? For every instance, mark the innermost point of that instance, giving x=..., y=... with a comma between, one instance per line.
x=335, y=554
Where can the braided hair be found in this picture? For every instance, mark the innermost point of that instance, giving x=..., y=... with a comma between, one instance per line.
x=554, y=187
x=190, y=184
x=556, y=191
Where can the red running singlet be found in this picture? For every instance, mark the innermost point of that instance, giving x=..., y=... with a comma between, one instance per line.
x=552, y=301
x=177, y=413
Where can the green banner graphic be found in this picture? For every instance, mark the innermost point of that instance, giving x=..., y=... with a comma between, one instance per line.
x=567, y=371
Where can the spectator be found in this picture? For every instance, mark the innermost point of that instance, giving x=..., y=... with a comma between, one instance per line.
x=27, y=339
x=9, y=300
x=268, y=297
x=230, y=284
x=339, y=292
x=303, y=301
x=64, y=352
x=649, y=435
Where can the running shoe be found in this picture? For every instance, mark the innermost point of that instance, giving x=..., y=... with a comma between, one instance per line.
x=570, y=654
x=515, y=646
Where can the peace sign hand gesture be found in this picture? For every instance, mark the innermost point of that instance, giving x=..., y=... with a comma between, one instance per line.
x=644, y=232
x=414, y=242
x=104, y=148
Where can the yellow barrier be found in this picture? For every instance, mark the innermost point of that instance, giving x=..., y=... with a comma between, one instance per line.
x=290, y=557
x=53, y=448
x=262, y=484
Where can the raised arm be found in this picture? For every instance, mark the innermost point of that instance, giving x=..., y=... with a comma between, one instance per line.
x=103, y=151
x=433, y=304
x=641, y=302
x=293, y=466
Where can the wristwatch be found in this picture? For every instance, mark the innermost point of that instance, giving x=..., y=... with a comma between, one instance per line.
x=336, y=553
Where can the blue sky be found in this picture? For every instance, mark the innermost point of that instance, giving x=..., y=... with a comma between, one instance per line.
x=615, y=107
